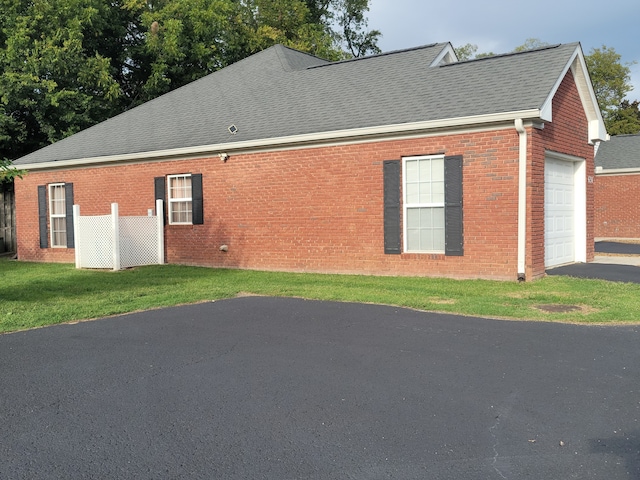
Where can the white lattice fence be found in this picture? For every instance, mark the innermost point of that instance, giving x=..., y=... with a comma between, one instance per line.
x=111, y=241
x=94, y=241
x=138, y=241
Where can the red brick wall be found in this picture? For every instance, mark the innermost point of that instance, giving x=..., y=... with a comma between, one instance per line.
x=314, y=209
x=617, y=207
x=567, y=134
x=321, y=209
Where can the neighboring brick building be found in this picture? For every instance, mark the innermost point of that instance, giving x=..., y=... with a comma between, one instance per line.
x=617, y=192
x=406, y=163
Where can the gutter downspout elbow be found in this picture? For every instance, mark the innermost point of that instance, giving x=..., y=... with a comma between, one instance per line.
x=522, y=199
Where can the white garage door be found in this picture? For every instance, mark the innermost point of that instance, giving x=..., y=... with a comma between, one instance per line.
x=559, y=212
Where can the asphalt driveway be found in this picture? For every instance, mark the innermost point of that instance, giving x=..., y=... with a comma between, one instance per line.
x=600, y=271
x=619, y=248
x=623, y=266
x=265, y=388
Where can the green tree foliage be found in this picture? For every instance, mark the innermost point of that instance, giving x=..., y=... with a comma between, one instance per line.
x=68, y=64
x=351, y=18
x=51, y=85
x=611, y=83
x=625, y=119
x=173, y=42
x=530, y=44
x=466, y=51
x=8, y=172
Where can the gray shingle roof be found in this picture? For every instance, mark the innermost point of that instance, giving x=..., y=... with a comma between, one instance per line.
x=622, y=151
x=280, y=92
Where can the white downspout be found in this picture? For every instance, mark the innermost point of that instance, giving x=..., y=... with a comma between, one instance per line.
x=522, y=198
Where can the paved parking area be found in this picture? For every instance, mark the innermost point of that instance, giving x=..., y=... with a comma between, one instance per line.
x=620, y=248
x=266, y=388
x=614, y=261
x=614, y=272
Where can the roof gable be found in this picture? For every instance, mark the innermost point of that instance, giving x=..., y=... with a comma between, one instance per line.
x=282, y=96
x=578, y=67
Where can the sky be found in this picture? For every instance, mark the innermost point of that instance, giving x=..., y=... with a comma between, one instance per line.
x=499, y=26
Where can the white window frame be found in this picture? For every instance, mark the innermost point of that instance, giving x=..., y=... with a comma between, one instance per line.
x=53, y=216
x=406, y=206
x=173, y=201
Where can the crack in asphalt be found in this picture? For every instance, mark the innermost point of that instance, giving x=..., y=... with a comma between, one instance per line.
x=504, y=411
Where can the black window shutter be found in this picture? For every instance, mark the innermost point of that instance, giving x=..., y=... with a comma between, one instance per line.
x=196, y=199
x=42, y=216
x=454, y=240
x=68, y=203
x=160, y=194
x=391, y=193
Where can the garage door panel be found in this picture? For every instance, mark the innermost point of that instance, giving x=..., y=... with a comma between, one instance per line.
x=559, y=211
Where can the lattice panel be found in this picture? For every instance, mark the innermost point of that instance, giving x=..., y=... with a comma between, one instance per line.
x=138, y=241
x=94, y=239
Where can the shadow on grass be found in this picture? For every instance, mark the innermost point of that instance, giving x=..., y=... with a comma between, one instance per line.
x=65, y=282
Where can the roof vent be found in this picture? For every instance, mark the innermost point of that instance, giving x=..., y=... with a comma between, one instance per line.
x=233, y=129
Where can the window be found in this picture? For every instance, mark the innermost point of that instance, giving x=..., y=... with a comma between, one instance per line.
x=424, y=204
x=182, y=197
x=429, y=219
x=57, y=215
x=180, y=200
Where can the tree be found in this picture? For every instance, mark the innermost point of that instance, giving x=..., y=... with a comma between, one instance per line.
x=173, y=43
x=7, y=172
x=625, y=119
x=351, y=18
x=610, y=79
x=68, y=64
x=51, y=85
x=466, y=51
x=530, y=44
x=263, y=23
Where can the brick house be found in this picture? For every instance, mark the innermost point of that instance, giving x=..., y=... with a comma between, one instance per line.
x=617, y=209
x=405, y=163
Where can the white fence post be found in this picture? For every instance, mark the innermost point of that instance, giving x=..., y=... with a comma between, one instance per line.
x=115, y=228
x=160, y=229
x=76, y=230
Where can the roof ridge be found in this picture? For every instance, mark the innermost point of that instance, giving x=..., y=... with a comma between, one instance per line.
x=295, y=50
x=288, y=58
x=508, y=54
x=383, y=54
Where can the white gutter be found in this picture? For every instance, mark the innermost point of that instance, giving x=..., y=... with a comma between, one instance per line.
x=522, y=198
x=616, y=171
x=305, y=140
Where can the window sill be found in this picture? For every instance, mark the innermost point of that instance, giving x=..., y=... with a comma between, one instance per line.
x=423, y=255
x=420, y=252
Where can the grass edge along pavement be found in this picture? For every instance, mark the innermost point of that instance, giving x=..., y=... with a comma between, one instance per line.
x=39, y=294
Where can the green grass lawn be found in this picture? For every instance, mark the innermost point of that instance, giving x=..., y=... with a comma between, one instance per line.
x=37, y=294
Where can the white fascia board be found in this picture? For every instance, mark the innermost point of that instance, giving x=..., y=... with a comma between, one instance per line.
x=306, y=140
x=617, y=171
x=578, y=67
